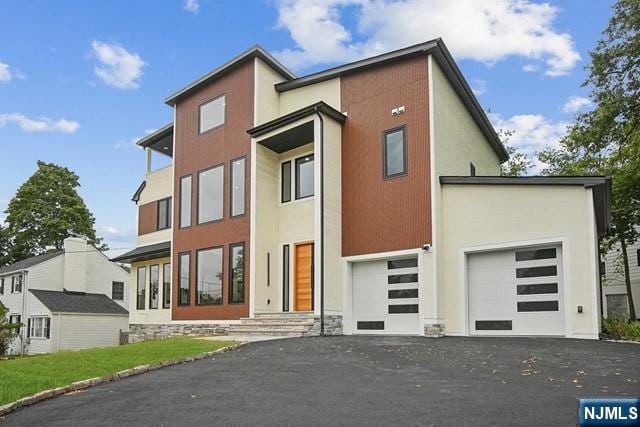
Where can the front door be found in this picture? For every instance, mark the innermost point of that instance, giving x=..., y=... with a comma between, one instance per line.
x=304, y=277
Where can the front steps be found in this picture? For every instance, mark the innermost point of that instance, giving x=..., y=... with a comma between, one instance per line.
x=295, y=324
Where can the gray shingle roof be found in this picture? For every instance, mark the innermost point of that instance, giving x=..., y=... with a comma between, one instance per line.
x=142, y=253
x=68, y=302
x=30, y=262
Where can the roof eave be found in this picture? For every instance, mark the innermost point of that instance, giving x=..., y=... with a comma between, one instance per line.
x=154, y=137
x=279, y=122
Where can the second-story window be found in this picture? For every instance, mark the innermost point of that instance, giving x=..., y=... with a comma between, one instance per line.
x=185, y=201
x=211, y=114
x=394, y=150
x=16, y=283
x=164, y=213
x=210, y=194
x=2, y=286
x=237, y=187
x=304, y=177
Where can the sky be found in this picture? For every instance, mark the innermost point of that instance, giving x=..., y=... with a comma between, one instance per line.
x=80, y=82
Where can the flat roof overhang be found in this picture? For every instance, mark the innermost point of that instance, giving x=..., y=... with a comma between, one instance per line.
x=601, y=186
x=297, y=135
x=145, y=253
x=160, y=141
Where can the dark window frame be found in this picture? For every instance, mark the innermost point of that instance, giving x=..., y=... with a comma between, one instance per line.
x=493, y=325
x=286, y=276
x=179, y=281
x=1, y=285
x=397, y=264
x=403, y=309
x=244, y=187
x=370, y=325
x=405, y=150
x=166, y=290
x=402, y=293
x=180, y=197
x=224, y=121
x=113, y=293
x=141, y=296
x=537, y=306
x=167, y=213
x=638, y=256
x=536, y=271
x=537, y=289
x=151, y=307
x=296, y=164
x=472, y=169
x=284, y=183
x=221, y=279
x=198, y=195
x=232, y=246
x=535, y=254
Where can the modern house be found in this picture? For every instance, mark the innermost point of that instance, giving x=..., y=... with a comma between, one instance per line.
x=615, y=298
x=67, y=299
x=363, y=199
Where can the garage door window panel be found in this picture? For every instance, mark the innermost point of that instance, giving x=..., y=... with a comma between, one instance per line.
x=403, y=308
x=402, y=263
x=402, y=278
x=532, y=306
x=371, y=325
x=534, y=254
x=403, y=293
x=494, y=325
x=538, y=288
x=544, y=271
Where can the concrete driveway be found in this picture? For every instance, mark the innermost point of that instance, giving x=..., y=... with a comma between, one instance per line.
x=363, y=380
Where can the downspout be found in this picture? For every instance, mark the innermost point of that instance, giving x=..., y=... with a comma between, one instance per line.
x=25, y=290
x=321, y=221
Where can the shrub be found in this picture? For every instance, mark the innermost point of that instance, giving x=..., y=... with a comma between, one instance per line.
x=620, y=328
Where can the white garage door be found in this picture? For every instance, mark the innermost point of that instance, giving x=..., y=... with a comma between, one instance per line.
x=516, y=292
x=385, y=297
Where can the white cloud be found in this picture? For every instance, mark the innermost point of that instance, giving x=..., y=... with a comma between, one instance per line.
x=5, y=73
x=486, y=31
x=575, y=104
x=479, y=86
x=530, y=68
x=117, y=67
x=192, y=6
x=532, y=133
x=131, y=143
x=42, y=124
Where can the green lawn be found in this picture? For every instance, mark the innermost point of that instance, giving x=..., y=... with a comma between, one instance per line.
x=28, y=375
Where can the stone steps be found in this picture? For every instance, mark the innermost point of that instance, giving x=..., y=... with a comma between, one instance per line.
x=275, y=324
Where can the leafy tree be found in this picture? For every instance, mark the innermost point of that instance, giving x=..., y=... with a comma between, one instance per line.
x=46, y=210
x=4, y=246
x=518, y=163
x=7, y=330
x=606, y=140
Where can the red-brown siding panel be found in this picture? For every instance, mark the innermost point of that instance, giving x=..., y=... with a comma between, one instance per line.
x=381, y=215
x=147, y=218
x=193, y=153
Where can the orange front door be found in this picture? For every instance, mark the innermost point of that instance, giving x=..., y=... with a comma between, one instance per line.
x=304, y=277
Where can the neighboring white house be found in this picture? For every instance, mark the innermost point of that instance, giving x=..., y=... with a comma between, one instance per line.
x=67, y=299
x=615, y=291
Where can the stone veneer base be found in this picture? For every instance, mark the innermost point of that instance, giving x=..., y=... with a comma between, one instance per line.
x=143, y=331
x=435, y=330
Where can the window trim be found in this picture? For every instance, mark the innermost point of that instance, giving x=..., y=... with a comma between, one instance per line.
x=244, y=191
x=164, y=288
x=168, y=213
x=472, y=169
x=198, y=195
x=297, y=181
x=282, y=181
x=113, y=282
x=405, y=149
x=224, y=113
x=190, y=203
x=151, y=307
x=638, y=256
x=244, y=271
x=179, y=281
x=286, y=276
x=221, y=247
x=144, y=289
x=46, y=327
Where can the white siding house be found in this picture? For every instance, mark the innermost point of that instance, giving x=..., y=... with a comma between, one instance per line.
x=67, y=299
x=615, y=291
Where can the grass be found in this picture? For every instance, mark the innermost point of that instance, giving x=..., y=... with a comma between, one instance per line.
x=620, y=328
x=29, y=375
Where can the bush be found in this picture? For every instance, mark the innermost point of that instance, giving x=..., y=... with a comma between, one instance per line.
x=620, y=328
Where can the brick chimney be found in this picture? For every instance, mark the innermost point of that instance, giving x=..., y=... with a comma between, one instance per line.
x=75, y=264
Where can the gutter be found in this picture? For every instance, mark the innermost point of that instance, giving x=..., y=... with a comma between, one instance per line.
x=317, y=110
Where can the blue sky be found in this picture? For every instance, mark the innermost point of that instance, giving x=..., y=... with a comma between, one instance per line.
x=79, y=82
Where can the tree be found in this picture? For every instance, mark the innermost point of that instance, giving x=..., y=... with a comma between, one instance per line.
x=8, y=331
x=606, y=140
x=518, y=163
x=46, y=210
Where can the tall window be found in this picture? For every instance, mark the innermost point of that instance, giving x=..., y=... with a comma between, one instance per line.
x=237, y=187
x=142, y=285
x=184, y=278
x=117, y=291
x=304, y=177
x=394, y=152
x=154, y=282
x=236, y=273
x=210, y=194
x=185, y=201
x=16, y=283
x=285, y=278
x=472, y=169
x=164, y=213
x=209, y=276
x=2, y=286
x=285, y=179
x=212, y=114
x=166, y=285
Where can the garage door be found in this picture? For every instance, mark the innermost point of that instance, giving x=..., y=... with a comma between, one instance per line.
x=385, y=296
x=516, y=292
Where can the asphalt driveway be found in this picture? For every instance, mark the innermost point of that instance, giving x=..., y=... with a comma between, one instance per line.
x=362, y=380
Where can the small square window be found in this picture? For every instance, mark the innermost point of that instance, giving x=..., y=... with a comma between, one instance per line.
x=394, y=151
x=212, y=114
x=117, y=291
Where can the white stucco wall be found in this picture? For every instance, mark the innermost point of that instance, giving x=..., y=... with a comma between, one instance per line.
x=480, y=215
x=327, y=91
x=267, y=99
